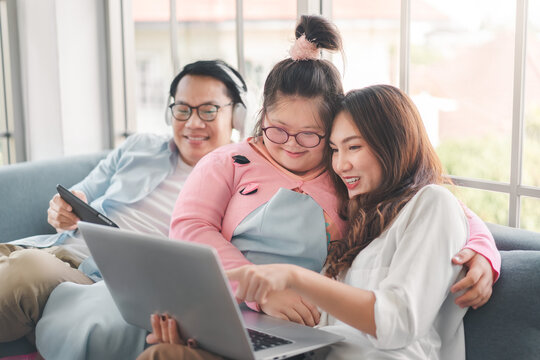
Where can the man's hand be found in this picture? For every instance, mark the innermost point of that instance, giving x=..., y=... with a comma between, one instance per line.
x=60, y=214
x=478, y=281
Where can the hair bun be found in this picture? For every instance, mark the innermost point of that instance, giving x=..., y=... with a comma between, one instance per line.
x=303, y=49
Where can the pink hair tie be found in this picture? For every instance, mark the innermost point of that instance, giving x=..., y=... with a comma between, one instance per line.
x=303, y=49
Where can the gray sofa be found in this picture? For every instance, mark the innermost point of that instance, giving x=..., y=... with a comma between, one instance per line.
x=507, y=327
x=25, y=191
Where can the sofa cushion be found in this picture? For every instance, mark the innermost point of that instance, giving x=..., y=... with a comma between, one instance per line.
x=508, y=326
x=26, y=188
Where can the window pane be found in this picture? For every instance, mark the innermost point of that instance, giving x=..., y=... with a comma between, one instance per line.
x=268, y=35
x=154, y=71
x=206, y=30
x=531, y=134
x=489, y=205
x=530, y=213
x=370, y=31
x=461, y=78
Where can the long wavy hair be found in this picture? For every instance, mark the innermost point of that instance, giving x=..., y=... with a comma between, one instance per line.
x=391, y=126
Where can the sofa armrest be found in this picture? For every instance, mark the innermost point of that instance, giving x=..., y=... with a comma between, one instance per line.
x=508, y=326
x=26, y=188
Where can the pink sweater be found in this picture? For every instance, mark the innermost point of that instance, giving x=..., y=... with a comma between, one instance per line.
x=481, y=241
x=210, y=205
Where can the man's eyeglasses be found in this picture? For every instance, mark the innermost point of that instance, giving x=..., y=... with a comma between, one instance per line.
x=305, y=139
x=206, y=112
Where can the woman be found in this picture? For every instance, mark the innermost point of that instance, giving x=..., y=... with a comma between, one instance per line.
x=387, y=283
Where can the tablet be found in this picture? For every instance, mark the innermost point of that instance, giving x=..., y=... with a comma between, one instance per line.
x=84, y=211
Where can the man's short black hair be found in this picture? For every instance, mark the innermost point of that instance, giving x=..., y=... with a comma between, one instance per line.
x=217, y=69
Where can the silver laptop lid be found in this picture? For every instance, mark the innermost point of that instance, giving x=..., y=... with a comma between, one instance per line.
x=127, y=260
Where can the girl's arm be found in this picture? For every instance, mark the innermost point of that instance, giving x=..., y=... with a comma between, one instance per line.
x=198, y=215
x=483, y=261
x=481, y=241
x=201, y=205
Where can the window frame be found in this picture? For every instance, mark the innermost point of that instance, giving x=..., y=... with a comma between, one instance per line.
x=12, y=109
x=515, y=189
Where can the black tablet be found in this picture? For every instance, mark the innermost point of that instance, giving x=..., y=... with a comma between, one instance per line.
x=84, y=211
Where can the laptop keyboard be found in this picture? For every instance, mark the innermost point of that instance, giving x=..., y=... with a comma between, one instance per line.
x=262, y=341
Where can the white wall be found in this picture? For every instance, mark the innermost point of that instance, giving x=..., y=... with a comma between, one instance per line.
x=64, y=76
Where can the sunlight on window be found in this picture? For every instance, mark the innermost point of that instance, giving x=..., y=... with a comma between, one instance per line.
x=268, y=35
x=531, y=133
x=490, y=206
x=530, y=217
x=153, y=64
x=461, y=78
x=370, y=31
x=206, y=31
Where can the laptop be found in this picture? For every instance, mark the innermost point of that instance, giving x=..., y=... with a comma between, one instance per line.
x=146, y=274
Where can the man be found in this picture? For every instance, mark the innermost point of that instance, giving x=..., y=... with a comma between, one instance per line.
x=136, y=186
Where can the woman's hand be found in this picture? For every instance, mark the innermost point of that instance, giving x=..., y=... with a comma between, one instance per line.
x=60, y=214
x=256, y=282
x=478, y=281
x=165, y=330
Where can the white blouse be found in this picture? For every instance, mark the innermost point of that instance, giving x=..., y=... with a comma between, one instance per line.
x=409, y=268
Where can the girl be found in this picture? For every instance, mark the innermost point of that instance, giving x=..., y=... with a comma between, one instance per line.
x=269, y=199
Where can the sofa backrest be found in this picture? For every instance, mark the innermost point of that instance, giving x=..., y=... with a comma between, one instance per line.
x=26, y=188
x=508, y=238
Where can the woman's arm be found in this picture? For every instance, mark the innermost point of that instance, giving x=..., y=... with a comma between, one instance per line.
x=351, y=305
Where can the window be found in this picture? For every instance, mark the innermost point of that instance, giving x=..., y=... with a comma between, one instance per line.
x=472, y=68
x=465, y=76
x=164, y=45
x=531, y=131
x=461, y=77
x=196, y=33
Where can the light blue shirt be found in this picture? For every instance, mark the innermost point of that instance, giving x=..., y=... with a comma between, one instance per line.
x=126, y=175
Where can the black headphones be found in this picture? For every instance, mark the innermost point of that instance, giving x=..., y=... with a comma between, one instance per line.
x=239, y=112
